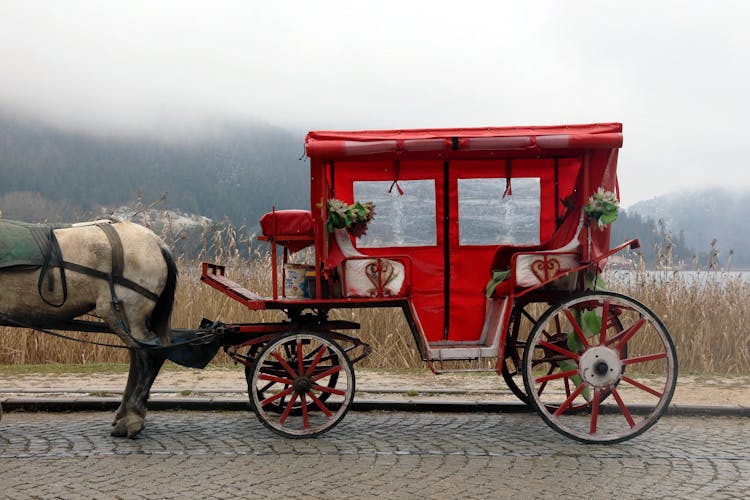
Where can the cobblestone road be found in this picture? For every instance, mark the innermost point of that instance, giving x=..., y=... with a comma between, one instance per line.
x=389, y=454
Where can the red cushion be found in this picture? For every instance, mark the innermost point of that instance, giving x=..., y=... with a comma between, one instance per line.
x=281, y=223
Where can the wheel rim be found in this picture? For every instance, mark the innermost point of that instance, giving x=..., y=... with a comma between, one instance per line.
x=302, y=384
x=576, y=356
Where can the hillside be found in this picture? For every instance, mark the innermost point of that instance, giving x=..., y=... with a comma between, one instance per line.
x=235, y=171
x=703, y=216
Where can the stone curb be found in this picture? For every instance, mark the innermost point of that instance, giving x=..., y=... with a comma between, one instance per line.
x=225, y=404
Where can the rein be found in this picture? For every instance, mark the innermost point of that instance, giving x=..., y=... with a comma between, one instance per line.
x=212, y=327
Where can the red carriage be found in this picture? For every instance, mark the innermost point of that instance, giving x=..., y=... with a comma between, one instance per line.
x=491, y=241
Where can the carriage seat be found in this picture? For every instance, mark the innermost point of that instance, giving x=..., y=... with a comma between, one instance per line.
x=292, y=229
x=525, y=266
x=366, y=276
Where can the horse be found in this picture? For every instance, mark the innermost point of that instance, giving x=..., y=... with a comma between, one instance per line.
x=121, y=272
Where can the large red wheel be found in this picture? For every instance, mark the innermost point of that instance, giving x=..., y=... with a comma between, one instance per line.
x=576, y=356
x=302, y=384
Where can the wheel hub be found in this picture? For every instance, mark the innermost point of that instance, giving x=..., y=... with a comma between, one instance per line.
x=600, y=366
x=302, y=385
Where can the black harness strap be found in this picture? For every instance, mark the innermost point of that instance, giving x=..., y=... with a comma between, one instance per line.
x=52, y=257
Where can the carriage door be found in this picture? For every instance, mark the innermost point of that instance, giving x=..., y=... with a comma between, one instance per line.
x=484, y=212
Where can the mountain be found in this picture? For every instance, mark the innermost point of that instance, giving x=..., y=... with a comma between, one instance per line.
x=237, y=171
x=701, y=217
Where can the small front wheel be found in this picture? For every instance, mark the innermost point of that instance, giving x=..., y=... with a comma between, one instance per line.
x=302, y=384
x=575, y=358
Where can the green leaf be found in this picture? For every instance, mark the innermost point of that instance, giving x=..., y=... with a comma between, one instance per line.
x=591, y=323
x=608, y=218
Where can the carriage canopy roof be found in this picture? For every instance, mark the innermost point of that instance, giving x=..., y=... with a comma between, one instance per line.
x=457, y=141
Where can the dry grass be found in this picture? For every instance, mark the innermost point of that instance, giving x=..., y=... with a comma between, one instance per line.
x=705, y=313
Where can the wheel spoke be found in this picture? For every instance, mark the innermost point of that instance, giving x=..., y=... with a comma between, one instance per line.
x=566, y=404
x=320, y=404
x=283, y=363
x=272, y=378
x=595, y=411
x=559, y=349
x=329, y=390
x=555, y=376
x=330, y=371
x=317, y=359
x=622, y=338
x=577, y=328
x=641, y=386
x=288, y=409
x=276, y=396
x=643, y=359
x=623, y=407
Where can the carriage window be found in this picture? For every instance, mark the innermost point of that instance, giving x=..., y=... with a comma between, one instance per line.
x=400, y=220
x=486, y=218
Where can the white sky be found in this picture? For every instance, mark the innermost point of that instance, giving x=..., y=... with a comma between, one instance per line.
x=676, y=73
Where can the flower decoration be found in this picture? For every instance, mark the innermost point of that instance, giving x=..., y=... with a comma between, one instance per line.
x=354, y=217
x=602, y=207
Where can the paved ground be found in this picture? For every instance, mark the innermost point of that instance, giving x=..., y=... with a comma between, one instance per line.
x=390, y=454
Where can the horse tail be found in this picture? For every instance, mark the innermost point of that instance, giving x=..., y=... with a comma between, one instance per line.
x=162, y=314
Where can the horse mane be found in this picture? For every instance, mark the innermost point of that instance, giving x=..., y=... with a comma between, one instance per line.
x=159, y=322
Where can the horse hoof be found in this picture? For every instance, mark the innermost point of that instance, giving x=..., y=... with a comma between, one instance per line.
x=119, y=431
x=128, y=427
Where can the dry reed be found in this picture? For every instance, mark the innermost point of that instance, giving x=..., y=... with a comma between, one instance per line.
x=705, y=313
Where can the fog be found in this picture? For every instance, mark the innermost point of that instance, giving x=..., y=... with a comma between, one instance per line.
x=675, y=73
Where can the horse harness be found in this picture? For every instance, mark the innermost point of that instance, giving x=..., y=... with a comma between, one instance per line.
x=52, y=257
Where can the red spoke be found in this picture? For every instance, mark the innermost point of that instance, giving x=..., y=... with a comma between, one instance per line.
x=643, y=359
x=605, y=319
x=329, y=390
x=566, y=404
x=305, y=416
x=288, y=409
x=622, y=406
x=330, y=371
x=283, y=363
x=559, y=349
x=577, y=328
x=565, y=375
x=544, y=384
x=320, y=405
x=622, y=338
x=317, y=359
x=273, y=378
x=642, y=387
x=595, y=411
x=276, y=396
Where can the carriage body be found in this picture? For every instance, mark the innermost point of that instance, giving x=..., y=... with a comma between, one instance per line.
x=473, y=225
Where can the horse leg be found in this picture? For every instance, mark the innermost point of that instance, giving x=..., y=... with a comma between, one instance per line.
x=144, y=367
x=132, y=379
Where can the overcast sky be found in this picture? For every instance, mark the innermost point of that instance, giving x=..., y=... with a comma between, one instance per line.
x=675, y=73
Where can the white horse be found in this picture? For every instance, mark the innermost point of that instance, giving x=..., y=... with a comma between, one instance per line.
x=120, y=271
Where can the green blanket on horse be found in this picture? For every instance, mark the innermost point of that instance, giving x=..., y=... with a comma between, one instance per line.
x=24, y=244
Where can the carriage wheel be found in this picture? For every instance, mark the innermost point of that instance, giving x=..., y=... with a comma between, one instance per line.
x=268, y=389
x=574, y=358
x=521, y=323
x=302, y=384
